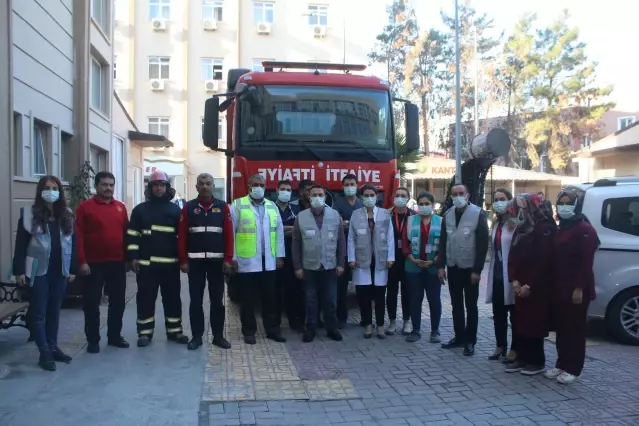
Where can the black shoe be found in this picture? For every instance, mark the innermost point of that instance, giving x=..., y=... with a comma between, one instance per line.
x=309, y=336
x=469, y=349
x=60, y=356
x=334, y=335
x=93, y=348
x=277, y=337
x=118, y=342
x=452, y=343
x=221, y=342
x=195, y=343
x=497, y=355
x=143, y=341
x=250, y=340
x=320, y=324
x=413, y=336
x=46, y=361
x=178, y=338
x=341, y=325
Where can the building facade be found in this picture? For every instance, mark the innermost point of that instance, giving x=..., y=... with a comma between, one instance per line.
x=171, y=55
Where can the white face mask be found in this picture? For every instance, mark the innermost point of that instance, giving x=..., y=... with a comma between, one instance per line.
x=566, y=211
x=400, y=202
x=257, y=192
x=284, y=196
x=460, y=202
x=500, y=206
x=425, y=210
x=369, y=201
x=50, y=196
x=317, y=202
x=350, y=191
x=519, y=219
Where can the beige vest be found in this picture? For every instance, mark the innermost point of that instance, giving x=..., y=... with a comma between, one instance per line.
x=319, y=246
x=366, y=244
x=460, y=239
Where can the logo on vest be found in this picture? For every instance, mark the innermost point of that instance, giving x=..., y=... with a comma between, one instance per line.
x=215, y=210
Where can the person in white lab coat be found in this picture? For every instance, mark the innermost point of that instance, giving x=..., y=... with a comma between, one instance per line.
x=371, y=252
x=259, y=250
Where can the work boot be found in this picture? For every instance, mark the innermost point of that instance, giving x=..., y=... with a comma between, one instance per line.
x=334, y=335
x=250, y=340
x=178, y=338
x=143, y=341
x=93, y=348
x=276, y=336
x=309, y=335
x=60, y=356
x=118, y=342
x=221, y=342
x=195, y=343
x=46, y=361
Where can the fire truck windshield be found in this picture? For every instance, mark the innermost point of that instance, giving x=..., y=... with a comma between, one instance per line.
x=316, y=116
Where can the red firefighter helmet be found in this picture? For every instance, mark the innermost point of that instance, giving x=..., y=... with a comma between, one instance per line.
x=159, y=176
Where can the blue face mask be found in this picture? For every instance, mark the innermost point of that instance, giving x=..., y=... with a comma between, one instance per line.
x=500, y=206
x=460, y=202
x=257, y=193
x=50, y=196
x=566, y=211
x=369, y=201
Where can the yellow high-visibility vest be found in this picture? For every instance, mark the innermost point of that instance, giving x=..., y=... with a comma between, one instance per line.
x=246, y=234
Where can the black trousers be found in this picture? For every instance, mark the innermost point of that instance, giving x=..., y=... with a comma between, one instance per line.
x=531, y=351
x=321, y=289
x=201, y=272
x=109, y=276
x=395, y=276
x=463, y=293
x=366, y=295
x=166, y=279
x=292, y=294
x=501, y=313
x=264, y=284
x=342, y=293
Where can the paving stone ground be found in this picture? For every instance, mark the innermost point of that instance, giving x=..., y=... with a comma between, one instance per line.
x=359, y=381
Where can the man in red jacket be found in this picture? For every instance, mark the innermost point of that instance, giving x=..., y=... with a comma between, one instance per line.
x=205, y=244
x=100, y=227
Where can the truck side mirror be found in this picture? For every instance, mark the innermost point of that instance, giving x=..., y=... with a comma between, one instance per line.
x=210, y=135
x=411, y=121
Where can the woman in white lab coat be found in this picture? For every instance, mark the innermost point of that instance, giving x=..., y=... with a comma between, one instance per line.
x=371, y=253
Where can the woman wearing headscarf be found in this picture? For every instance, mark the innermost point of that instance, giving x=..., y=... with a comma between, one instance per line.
x=529, y=263
x=499, y=292
x=574, y=286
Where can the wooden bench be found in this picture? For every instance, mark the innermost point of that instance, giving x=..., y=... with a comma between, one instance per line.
x=13, y=306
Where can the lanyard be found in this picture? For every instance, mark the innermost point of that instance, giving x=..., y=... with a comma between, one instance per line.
x=400, y=228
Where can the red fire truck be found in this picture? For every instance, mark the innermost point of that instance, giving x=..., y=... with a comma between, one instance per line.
x=315, y=121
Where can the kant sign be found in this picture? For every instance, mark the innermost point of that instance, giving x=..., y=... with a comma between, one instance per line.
x=436, y=168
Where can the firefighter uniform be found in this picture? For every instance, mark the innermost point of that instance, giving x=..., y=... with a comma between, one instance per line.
x=152, y=241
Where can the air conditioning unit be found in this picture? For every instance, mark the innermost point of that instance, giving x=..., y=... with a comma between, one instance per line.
x=319, y=31
x=209, y=25
x=157, y=85
x=211, y=86
x=264, y=28
x=158, y=24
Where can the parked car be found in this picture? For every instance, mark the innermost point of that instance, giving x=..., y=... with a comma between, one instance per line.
x=612, y=206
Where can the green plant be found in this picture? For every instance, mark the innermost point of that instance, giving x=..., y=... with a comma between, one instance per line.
x=404, y=157
x=79, y=188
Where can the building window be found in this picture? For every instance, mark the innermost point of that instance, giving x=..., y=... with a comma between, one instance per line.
x=160, y=9
x=66, y=159
x=99, y=160
x=621, y=215
x=99, y=86
x=213, y=10
x=263, y=12
x=624, y=122
x=17, y=144
x=159, y=126
x=159, y=67
x=317, y=14
x=212, y=69
x=219, y=192
x=41, y=135
x=586, y=142
x=101, y=15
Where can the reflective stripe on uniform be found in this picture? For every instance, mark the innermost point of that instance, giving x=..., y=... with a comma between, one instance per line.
x=215, y=229
x=174, y=330
x=133, y=247
x=146, y=321
x=173, y=320
x=156, y=259
x=133, y=233
x=159, y=228
x=207, y=255
x=145, y=332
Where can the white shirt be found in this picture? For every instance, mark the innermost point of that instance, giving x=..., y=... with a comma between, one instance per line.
x=262, y=221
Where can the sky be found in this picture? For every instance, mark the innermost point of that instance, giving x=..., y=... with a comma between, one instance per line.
x=609, y=28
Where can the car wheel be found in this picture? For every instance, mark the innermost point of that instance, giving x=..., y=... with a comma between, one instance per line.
x=232, y=287
x=623, y=317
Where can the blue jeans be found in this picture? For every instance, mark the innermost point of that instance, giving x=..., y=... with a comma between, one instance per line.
x=419, y=283
x=323, y=283
x=45, y=298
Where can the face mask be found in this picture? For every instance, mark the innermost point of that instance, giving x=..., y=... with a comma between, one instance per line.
x=425, y=210
x=257, y=193
x=459, y=202
x=50, y=196
x=317, y=202
x=350, y=191
x=284, y=196
x=500, y=206
x=400, y=202
x=519, y=219
x=566, y=211
x=370, y=201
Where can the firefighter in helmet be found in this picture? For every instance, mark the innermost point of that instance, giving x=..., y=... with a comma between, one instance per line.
x=152, y=251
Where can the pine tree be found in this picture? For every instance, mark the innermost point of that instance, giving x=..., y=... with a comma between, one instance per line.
x=563, y=88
